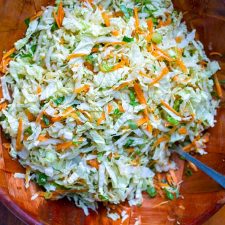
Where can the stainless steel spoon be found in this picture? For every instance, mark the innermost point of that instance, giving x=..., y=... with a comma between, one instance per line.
x=218, y=177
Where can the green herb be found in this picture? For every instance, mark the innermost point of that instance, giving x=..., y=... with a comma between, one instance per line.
x=133, y=99
x=28, y=131
x=42, y=179
x=33, y=48
x=59, y=100
x=89, y=58
x=128, y=39
x=100, y=156
x=27, y=21
x=126, y=11
x=129, y=143
x=151, y=192
x=48, y=195
x=169, y=195
x=54, y=27
x=103, y=198
x=2, y=117
x=177, y=104
x=157, y=38
x=27, y=55
x=117, y=47
x=21, y=76
x=172, y=121
x=46, y=120
x=117, y=112
x=13, y=55
x=188, y=172
x=105, y=67
x=132, y=124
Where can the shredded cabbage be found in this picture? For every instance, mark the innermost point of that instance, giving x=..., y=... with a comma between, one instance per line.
x=99, y=113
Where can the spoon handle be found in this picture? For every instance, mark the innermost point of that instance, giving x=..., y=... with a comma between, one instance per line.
x=218, y=177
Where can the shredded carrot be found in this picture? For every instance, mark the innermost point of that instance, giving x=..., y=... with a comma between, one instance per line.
x=182, y=130
x=216, y=54
x=170, y=108
x=142, y=121
x=75, y=55
x=106, y=19
x=101, y=119
x=4, y=64
x=29, y=115
x=89, y=66
x=38, y=119
x=169, y=179
x=173, y=176
x=85, y=88
x=121, y=86
x=149, y=128
x=160, y=140
x=63, y=146
x=121, y=109
x=115, y=43
x=150, y=25
x=193, y=166
x=110, y=108
x=172, y=130
x=3, y=105
x=87, y=114
x=164, y=72
x=115, y=32
x=75, y=116
x=39, y=90
x=38, y=14
x=60, y=15
x=9, y=53
x=121, y=64
x=166, y=23
x=141, y=97
x=43, y=137
x=94, y=50
x=19, y=135
x=144, y=75
x=179, y=39
x=218, y=87
x=118, y=14
x=139, y=93
x=27, y=175
x=93, y=163
x=136, y=18
x=188, y=147
x=182, y=66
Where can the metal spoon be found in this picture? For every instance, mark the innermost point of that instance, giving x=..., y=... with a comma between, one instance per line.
x=218, y=177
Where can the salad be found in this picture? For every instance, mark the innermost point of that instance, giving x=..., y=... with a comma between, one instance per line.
x=98, y=93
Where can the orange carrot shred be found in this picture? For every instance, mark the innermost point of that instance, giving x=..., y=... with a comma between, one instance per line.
x=9, y=53
x=63, y=146
x=193, y=166
x=179, y=39
x=93, y=163
x=136, y=18
x=75, y=55
x=38, y=14
x=164, y=72
x=142, y=121
x=150, y=25
x=182, y=66
x=160, y=140
x=121, y=86
x=85, y=88
x=115, y=32
x=106, y=19
x=39, y=90
x=182, y=130
x=3, y=105
x=29, y=115
x=170, y=108
x=110, y=108
x=218, y=87
x=144, y=75
x=19, y=135
x=101, y=119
